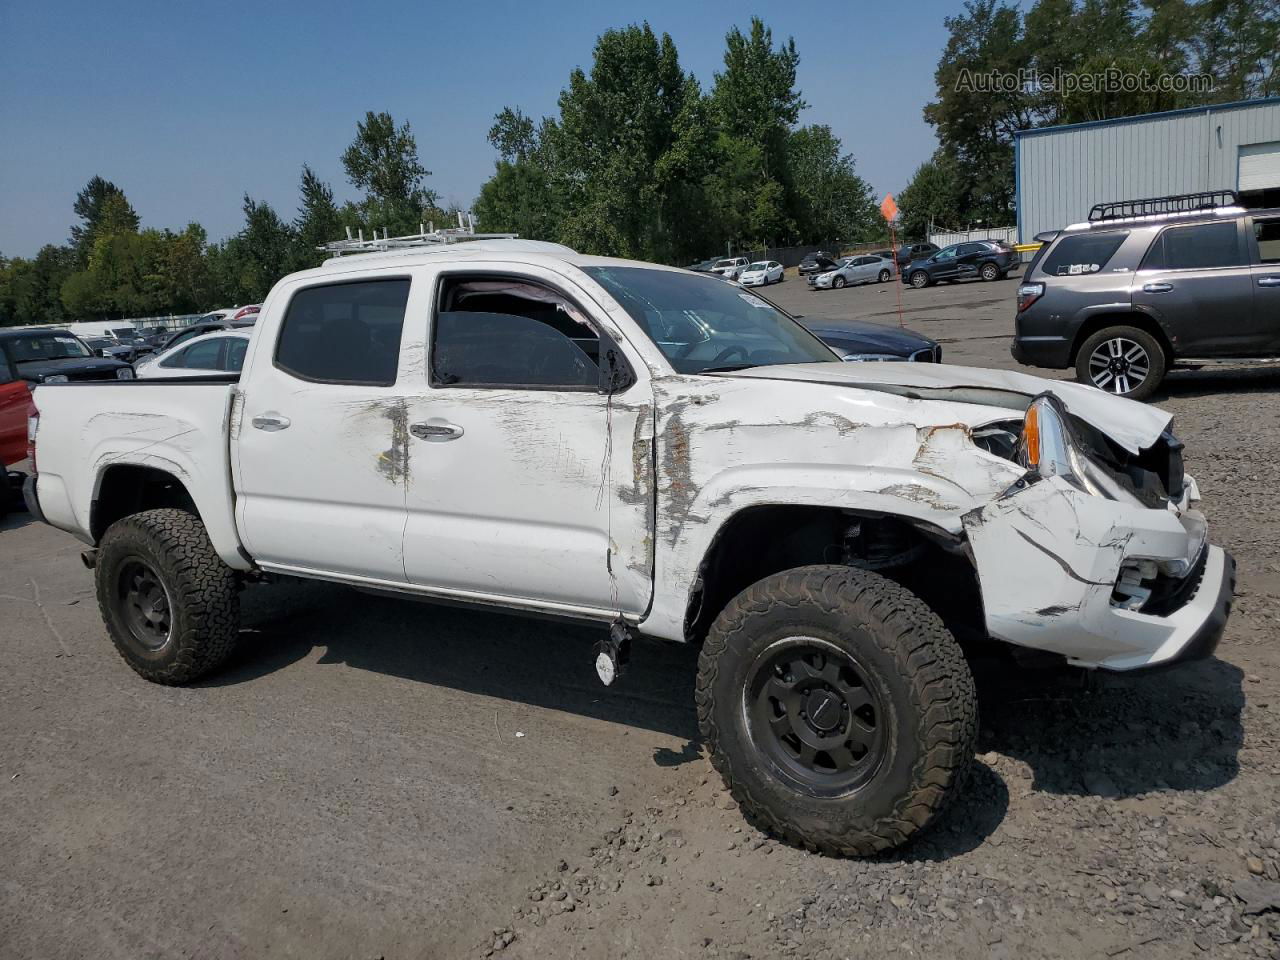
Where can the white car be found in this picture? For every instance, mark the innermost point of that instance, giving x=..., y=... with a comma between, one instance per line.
x=210, y=354
x=731, y=267
x=761, y=274
x=853, y=270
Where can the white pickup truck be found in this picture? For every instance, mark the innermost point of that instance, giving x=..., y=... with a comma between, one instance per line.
x=509, y=423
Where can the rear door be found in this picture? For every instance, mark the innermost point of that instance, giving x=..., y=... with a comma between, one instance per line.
x=1195, y=280
x=1263, y=234
x=320, y=437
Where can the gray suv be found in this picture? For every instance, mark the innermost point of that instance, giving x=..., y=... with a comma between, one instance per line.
x=1146, y=285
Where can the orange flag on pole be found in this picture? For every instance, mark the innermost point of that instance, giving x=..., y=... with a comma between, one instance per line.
x=888, y=207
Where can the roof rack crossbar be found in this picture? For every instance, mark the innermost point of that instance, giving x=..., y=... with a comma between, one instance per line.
x=427, y=236
x=1156, y=206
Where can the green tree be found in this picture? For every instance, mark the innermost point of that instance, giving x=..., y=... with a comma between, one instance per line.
x=934, y=196
x=383, y=162
x=834, y=202
x=318, y=221
x=101, y=205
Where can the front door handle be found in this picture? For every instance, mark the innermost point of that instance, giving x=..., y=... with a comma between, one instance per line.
x=1269, y=281
x=270, y=422
x=436, y=431
x=1157, y=287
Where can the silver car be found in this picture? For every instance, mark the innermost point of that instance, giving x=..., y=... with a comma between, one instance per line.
x=853, y=270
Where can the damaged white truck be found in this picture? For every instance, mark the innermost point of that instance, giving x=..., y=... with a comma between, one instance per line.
x=508, y=423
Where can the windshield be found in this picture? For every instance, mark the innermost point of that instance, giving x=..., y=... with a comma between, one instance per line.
x=124, y=333
x=758, y=266
x=46, y=346
x=703, y=324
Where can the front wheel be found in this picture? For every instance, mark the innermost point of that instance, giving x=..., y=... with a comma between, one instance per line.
x=837, y=707
x=919, y=279
x=837, y=283
x=1126, y=361
x=170, y=604
x=884, y=276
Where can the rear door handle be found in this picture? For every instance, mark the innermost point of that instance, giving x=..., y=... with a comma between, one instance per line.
x=436, y=431
x=1157, y=287
x=270, y=422
x=1269, y=281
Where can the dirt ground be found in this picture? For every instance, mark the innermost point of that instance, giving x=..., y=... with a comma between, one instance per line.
x=380, y=778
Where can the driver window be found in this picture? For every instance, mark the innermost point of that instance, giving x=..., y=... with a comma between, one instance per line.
x=946, y=254
x=493, y=331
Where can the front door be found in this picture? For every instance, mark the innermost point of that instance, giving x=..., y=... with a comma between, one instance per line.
x=528, y=483
x=319, y=435
x=1195, y=281
x=944, y=264
x=1264, y=242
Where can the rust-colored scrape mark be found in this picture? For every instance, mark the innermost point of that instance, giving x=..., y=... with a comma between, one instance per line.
x=393, y=463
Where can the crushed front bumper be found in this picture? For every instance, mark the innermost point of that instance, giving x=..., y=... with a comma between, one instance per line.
x=1049, y=557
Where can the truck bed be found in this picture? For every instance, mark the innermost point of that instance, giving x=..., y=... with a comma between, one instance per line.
x=181, y=426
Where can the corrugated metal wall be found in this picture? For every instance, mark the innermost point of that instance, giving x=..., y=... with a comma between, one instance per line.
x=1062, y=172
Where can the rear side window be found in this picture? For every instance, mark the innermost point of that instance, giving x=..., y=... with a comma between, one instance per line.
x=199, y=356
x=1082, y=253
x=344, y=332
x=1199, y=247
x=236, y=349
x=1267, y=235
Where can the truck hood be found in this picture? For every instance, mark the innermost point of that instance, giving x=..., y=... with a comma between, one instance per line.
x=1131, y=424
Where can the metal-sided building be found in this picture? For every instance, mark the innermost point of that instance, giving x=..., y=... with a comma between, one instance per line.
x=1063, y=171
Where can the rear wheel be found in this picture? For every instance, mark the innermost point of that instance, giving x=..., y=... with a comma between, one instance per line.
x=919, y=279
x=1126, y=361
x=990, y=271
x=170, y=604
x=885, y=275
x=837, y=707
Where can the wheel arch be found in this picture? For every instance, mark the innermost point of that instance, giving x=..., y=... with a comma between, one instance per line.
x=1119, y=318
x=902, y=547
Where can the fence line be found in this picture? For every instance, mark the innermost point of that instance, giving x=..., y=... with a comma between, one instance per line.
x=947, y=237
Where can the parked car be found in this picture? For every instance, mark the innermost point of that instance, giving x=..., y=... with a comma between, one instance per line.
x=15, y=408
x=1125, y=298
x=110, y=347
x=198, y=329
x=694, y=465
x=212, y=353
x=56, y=356
x=915, y=251
x=863, y=340
x=730, y=267
x=761, y=273
x=703, y=266
x=816, y=262
x=985, y=259
x=851, y=271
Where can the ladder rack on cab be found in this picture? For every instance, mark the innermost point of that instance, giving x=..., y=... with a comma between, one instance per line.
x=426, y=237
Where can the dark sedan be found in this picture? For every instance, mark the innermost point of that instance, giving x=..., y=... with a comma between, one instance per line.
x=862, y=340
x=818, y=262
x=987, y=259
x=56, y=356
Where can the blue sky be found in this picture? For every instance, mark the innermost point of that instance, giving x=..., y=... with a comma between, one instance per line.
x=187, y=106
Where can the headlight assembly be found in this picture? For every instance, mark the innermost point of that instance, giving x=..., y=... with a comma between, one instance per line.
x=1049, y=448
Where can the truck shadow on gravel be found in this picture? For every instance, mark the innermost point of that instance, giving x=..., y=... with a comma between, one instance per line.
x=1215, y=381
x=1060, y=732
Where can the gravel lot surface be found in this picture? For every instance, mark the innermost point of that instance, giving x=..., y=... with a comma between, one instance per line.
x=379, y=778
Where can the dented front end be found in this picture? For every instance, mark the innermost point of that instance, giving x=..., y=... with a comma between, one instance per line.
x=1097, y=553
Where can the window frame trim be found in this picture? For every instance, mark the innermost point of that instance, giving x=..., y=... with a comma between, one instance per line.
x=450, y=274
x=337, y=282
x=1255, y=247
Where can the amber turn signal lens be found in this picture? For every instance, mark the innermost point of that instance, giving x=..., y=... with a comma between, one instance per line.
x=1031, y=436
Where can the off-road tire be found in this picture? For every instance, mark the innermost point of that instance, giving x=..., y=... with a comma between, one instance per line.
x=202, y=593
x=906, y=652
x=1158, y=362
x=919, y=279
